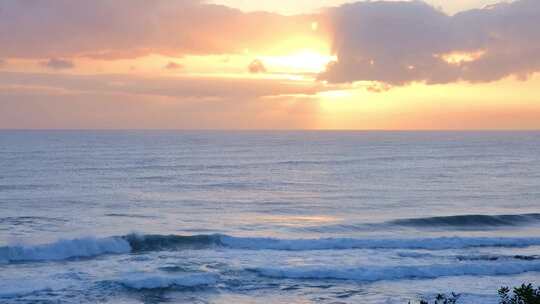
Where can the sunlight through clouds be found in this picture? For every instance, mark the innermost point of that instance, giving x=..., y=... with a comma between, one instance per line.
x=342, y=57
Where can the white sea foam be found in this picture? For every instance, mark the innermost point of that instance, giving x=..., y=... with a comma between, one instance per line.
x=65, y=249
x=379, y=273
x=16, y=288
x=16, y=291
x=155, y=281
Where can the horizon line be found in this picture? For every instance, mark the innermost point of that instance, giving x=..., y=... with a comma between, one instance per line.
x=271, y=130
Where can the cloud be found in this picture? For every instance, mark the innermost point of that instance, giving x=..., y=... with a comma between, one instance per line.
x=69, y=101
x=111, y=29
x=58, y=64
x=170, y=87
x=173, y=66
x=85, y=111
x=256, y=67
x=401, y=42
x=384, y=41
x=2, y=62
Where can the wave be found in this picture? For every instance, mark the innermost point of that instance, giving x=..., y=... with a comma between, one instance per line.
x=470, y=220
x=139, y=242
x=29, y=220
x=23, y=187
x=441, y=243
x=469, y=258
x=383, y=273
x=65, y=249
x=174, y=242
x=130, y=215
x=91, y=247
x=459, y=222
x=488, y=257
x=151, y=281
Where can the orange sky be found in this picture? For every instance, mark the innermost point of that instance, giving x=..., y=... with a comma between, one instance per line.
x=189, y=64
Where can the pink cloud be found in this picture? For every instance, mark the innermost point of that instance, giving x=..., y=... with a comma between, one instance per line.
x=112, y=29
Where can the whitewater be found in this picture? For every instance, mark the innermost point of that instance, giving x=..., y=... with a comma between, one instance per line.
x=266, y=217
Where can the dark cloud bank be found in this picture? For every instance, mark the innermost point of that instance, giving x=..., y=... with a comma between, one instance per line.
x=401, y=42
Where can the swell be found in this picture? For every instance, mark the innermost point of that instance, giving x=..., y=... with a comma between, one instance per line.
x=466, y=222
x=470, y=220
x=28, y=220
x=380, y=273
x=134, y=243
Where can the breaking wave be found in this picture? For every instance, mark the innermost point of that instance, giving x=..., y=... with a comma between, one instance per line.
x=90, y=247
x=65, y=249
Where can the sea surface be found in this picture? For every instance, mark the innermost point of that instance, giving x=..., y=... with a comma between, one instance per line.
x=266, y=217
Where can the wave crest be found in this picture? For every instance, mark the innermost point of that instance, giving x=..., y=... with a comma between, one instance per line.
x=141, y=242
x=380, y=273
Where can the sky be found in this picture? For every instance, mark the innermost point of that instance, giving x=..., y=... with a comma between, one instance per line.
x=314, y=6
x=238, y=64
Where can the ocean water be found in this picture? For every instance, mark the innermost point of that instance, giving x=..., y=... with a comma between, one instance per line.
x=266, y=217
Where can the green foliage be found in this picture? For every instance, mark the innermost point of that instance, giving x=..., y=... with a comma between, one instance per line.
x=525, y=294
x=443, y=299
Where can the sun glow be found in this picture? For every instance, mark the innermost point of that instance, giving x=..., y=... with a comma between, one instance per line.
x=306, y=61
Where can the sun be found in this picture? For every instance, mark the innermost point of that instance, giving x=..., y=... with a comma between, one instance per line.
x=302, y=61
x=300, y=54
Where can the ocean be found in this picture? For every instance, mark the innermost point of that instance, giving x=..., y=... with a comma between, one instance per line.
x=266, y=217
